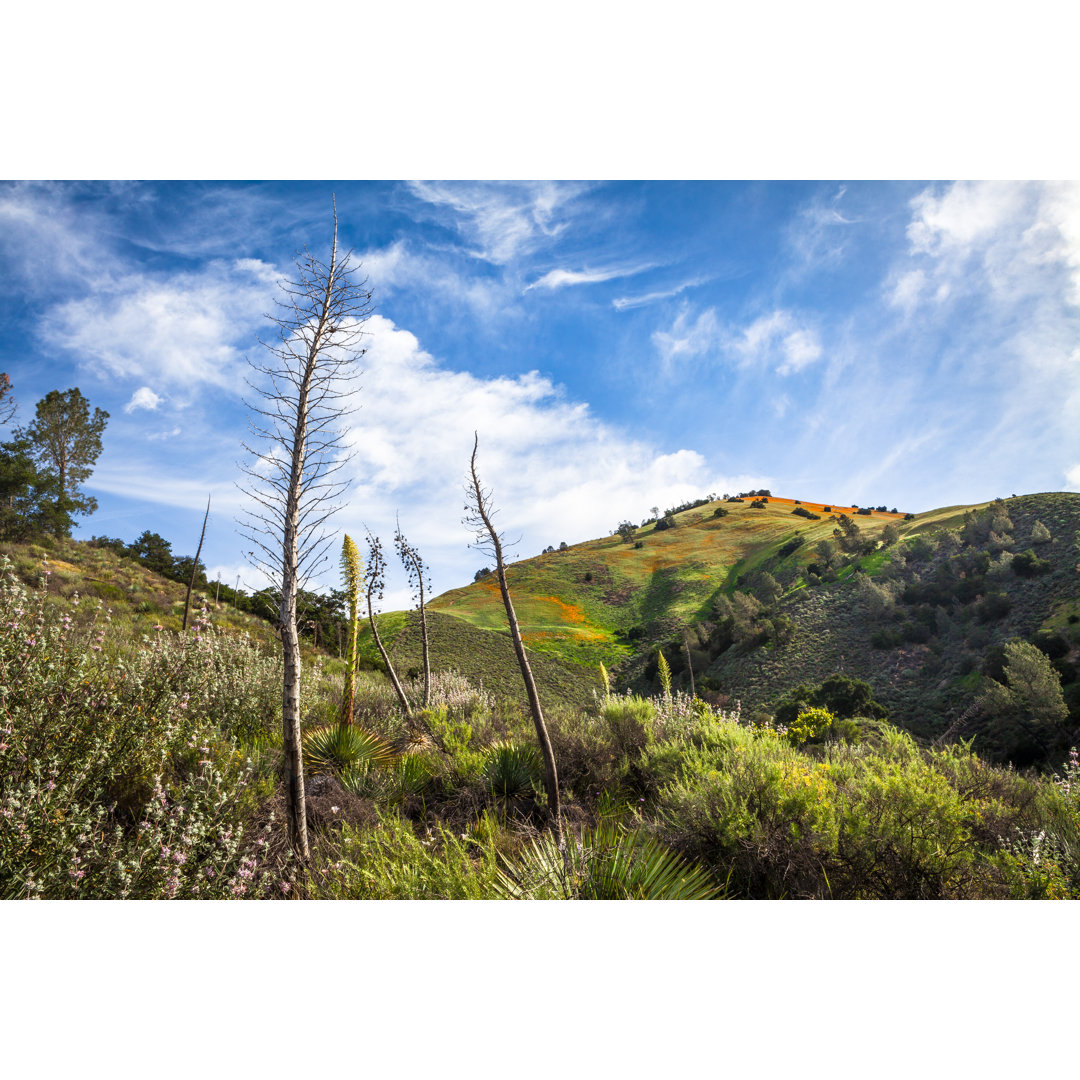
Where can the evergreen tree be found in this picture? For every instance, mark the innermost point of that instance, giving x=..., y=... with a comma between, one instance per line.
x=65, y=441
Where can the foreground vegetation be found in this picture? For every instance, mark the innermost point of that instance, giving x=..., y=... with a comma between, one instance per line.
x=150, y=766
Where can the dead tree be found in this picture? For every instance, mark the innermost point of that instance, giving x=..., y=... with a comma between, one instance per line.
x=374, y=581
x=417, y=571
x=303, y=395
x=195, y=566
x=479, y=514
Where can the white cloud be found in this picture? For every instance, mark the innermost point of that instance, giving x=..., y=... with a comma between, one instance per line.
x=1017, y=240
x=559, y=278
x=558, y=473
x=143, y=398
x=907, y=289
x=799, y=348
x=1072, y=478
x=397, y=268
x=184, y=330
x=622, y=303
x=686, y=339
x=503, y=221
x=775, y=340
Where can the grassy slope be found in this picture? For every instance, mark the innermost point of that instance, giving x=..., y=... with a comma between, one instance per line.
x=137, y=599
x=580, y=604
x=577, y=606
x=923, y=685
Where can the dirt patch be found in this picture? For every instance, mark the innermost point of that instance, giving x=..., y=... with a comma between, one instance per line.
x=620, y=596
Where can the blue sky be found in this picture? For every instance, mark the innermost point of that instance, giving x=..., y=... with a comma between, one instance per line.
x=617, y=345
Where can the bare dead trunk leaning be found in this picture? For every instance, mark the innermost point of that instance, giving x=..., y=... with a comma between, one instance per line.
x=374, y=578
x=416, y=570
x=195, y=567
x=480, y=520
x=304, y=394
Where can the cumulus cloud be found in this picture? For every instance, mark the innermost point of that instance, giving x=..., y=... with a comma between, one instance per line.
x=186, y=330
x=143, y=398
x=558, y=472
x=1014, y=239
x=1072, y=477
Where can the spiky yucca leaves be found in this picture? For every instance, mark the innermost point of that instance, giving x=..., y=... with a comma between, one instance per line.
x=351, y=571
x=407, y=774
x=341, y=747
x=512, y=769
x=606, y=863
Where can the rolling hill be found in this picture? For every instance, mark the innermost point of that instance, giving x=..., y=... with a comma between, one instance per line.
x=919, y=613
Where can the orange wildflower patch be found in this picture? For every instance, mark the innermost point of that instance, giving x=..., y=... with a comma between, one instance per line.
x=569, y=612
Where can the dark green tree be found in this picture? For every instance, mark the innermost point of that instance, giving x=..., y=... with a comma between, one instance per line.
x=154, y=552
x=65, y=442
x=30, y=502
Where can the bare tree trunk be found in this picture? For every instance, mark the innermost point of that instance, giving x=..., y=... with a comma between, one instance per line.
x=414, y=566
x=481, y=513
x=405, y=706
x=195, y=566
x=302, y=401
x=689, y=663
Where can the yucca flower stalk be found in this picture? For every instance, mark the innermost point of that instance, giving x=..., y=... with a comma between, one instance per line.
x=605, y=679
x=664, y=671
x=352, y=571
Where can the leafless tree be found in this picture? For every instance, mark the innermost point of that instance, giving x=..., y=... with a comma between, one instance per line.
x=195, y=566
x=479, y=515
x=374, y=582
x=303, y=393
x=417, y=571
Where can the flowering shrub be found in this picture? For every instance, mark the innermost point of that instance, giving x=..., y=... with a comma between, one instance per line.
x=457, y=694
x=810, y=722
x=118, y=777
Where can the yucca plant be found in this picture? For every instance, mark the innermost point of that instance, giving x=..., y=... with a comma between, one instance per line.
x=352, y=571
x=606, y=863
x=342, y=748
x=511, y=769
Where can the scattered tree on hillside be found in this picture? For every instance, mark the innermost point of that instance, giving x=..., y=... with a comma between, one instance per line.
x=65, y=442
x=847, y=535
x=626, y=530
x=1031, y=708
x=479, y=515
x=153, y=551
x=417, y=571
x=303, y=391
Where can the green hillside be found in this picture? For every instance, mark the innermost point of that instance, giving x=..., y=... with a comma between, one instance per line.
x=597, y=601
x=749, y=603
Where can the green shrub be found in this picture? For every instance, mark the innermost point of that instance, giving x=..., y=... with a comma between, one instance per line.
x=605, y=863
x=115, y=780
x=808, y=724
x=512, y=769
x=391, y=862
